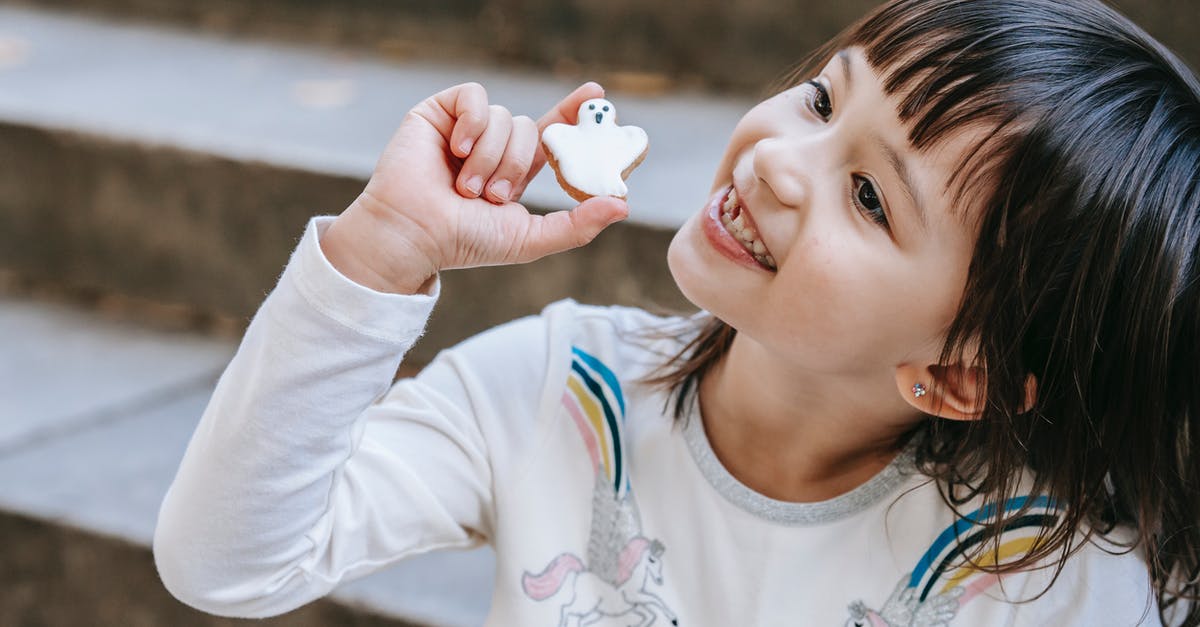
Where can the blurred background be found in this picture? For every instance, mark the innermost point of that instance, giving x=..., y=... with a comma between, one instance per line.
x=159, y=160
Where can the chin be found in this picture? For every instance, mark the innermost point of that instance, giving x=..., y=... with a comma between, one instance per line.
x=695, y=274
x=681, y=261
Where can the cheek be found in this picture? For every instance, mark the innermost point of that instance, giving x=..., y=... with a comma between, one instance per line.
x=846, y=301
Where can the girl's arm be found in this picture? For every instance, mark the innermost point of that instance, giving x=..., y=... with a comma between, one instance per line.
x=247, y=527
x=294, y=479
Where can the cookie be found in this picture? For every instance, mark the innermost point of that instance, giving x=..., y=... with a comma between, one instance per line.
x=594, y=156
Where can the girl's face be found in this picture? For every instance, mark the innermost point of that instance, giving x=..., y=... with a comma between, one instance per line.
x=869, y=257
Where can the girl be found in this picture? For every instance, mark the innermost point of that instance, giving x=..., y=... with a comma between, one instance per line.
x=957, y=389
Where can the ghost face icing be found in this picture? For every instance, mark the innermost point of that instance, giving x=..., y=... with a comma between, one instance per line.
x=594, y=156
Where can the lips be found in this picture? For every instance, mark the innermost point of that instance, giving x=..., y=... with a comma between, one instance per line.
x=737, y=220
x=732, y=237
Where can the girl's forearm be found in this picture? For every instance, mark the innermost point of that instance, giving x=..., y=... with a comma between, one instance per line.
x=235, y=533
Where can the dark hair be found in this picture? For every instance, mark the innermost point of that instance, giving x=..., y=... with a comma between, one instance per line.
x=1085, y=273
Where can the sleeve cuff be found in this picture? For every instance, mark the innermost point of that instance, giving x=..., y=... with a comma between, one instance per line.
x=395, y=317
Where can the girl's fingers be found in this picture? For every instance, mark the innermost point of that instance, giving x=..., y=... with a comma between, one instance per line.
x=564, y=230
x=486, y=153
x=568, y=108
x=460, y=114
x=565, y=112
x=507, y=182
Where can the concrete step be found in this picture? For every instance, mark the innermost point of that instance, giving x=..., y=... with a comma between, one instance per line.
x=737, y=47
x=182, y=168
x=94, y=417
x=656, y=44
x=179, y=169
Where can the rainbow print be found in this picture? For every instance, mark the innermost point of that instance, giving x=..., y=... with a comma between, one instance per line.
x=594, y=400
x=943, y=581
x=944, y=563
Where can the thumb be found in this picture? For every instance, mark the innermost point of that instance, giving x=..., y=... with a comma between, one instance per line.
x=564, y=230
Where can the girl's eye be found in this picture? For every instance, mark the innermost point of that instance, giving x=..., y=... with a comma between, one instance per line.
x=820, y=101
x=867, y=200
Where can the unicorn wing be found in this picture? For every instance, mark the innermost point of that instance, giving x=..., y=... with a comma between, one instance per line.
x=900, y=607
x=939, y=610
x=615, y=521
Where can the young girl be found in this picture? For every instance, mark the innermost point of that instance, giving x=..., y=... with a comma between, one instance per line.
x=959, y=388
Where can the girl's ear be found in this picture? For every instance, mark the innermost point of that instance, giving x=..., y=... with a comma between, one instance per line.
x=951, y=392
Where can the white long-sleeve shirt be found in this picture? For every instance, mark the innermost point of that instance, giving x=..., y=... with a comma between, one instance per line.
x=310, y=468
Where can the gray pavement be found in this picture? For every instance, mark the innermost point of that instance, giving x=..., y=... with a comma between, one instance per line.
x=95, y=416
x=308, y=108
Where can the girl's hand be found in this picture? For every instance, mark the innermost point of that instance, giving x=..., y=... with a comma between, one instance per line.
x=444, y=195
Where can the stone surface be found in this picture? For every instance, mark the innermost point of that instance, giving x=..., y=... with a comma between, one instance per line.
x=740, y=46
x=61, y=369
x=108, y=477
x=108, y=472
x=102, y=189
x=53, y=575
x=311, y=110
x=217, y=238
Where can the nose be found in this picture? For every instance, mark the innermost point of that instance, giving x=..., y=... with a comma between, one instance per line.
x=781, y=166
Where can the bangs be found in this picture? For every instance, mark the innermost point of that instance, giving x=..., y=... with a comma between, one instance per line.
x=953, y=64
x=959, y=65
x=996, y=68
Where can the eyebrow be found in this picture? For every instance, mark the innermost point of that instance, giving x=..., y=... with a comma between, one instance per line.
x=843, y=55
x=899, y=165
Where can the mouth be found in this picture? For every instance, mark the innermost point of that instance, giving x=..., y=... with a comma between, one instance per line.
x=740, y=225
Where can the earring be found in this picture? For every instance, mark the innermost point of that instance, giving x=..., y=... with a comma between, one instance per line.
x=918, y=390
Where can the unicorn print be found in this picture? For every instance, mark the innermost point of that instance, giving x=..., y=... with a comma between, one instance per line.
x=623, y=568
x=591, y=598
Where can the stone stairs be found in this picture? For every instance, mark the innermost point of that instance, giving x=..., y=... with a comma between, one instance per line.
x=174, y=170
x=181, y=168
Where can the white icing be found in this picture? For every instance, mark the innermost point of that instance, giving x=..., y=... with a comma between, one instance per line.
x=593, y=154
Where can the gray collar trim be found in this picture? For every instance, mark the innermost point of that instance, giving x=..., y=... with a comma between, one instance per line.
x=784, y=512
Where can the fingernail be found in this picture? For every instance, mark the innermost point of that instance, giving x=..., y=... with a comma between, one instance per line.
x=502, y=189
x=474, y=184
x=465, y=147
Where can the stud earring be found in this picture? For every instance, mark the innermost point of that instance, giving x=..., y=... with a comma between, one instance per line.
x=919, y=390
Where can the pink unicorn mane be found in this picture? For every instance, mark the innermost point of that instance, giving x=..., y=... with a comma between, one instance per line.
x=545, y=584
x=629, y=558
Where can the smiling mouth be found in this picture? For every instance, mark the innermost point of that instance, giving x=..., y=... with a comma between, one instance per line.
x=739, y=224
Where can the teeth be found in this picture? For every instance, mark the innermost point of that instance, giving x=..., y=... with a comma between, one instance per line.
x=730, y=202
x=744, y=233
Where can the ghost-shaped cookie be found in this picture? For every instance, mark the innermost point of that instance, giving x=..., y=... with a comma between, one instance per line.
x=594, y=156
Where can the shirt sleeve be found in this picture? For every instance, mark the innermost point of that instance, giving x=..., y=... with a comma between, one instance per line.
x=309, y=468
